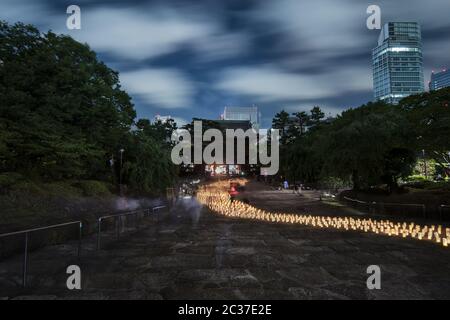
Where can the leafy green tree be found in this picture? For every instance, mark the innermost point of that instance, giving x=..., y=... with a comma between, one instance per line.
x=429, y=114
x=317, y=115
x=159, y=130
x=281, y=122
x=65, y=110
x=302, y=120
x=63, y=115
x=371, y=144
x=300, y=159
x=374, y=144
x=148, y=167
x=297, y=125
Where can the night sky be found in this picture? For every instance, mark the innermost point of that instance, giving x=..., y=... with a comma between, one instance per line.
x=191, y=58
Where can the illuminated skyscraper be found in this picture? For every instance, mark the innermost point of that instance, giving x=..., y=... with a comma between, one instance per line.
x=440, y=80
x=397, y=62
x=243, y=113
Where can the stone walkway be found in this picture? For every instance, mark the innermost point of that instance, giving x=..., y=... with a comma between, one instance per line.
x=196, y=254
x=264, y=197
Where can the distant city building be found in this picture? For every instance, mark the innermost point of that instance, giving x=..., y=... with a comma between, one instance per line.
x=218, y=169
x=162, y=119
x=440, y=80
x=243, y=114
x=397, y=62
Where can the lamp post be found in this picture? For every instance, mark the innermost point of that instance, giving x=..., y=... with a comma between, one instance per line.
x=425, y=165
x=120, y=172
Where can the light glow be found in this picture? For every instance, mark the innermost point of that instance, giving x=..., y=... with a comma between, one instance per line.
x=215, y=197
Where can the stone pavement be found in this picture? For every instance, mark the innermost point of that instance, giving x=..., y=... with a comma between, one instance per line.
x=264, y=197
x=196, y=254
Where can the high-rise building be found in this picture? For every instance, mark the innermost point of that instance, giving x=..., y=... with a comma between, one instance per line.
x=440, y=80
x=162, y=119
x=397, y=62
x=243, y=114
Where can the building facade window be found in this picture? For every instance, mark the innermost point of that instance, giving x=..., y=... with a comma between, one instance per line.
x=397, y=62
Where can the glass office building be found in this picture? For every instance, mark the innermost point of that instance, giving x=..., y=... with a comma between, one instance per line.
x=243, y=114
x=440, y=80
x=397, y=62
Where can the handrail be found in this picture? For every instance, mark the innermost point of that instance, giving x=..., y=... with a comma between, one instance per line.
x=423, y=206
x=116, y=216
x=355, y=200
x=28, y=231
x=39, y=229
x=145, y=211
x=128, y=213
x=80, y=223
x=403, y=204
x=160, y=207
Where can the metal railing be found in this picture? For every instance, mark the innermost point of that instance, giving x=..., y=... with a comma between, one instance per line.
x=359, y=203
x=118, y=220
x=118, y=217
x=421, y=207
x=156, y=210
x=373, y=206
x=26, y=244
x=355, y=200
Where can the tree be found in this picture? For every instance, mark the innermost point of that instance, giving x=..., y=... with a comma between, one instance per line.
x=281, y=122
x=429, y=114
x=297, y=125
x=302, y=120
x=299, y=154
x=316, y=116
x=63, y=115
x=374, y=144
x=371, y=144
x=148, y=168
x=159, y=130
x=64, y=108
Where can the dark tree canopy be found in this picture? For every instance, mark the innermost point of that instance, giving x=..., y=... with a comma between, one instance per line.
x=374, y=144
x=63, y=114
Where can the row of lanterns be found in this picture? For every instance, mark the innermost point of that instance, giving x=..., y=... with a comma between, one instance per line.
x=215, y=197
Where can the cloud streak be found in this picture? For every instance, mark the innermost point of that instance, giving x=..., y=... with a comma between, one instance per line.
x=272, y=84
x=190, y=59
x=167, y=88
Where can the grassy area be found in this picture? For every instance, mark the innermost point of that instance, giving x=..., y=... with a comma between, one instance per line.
x=429, y=185
x=430, y=194
x=27, y=203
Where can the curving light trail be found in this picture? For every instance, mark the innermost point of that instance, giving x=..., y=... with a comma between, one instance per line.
x=215, y=197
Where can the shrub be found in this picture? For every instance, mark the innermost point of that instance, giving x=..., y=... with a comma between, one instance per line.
x=93, y=188
x=28, y=187
x=8, y=179
x=442, y=185
x=416, y=178
x=61, y=188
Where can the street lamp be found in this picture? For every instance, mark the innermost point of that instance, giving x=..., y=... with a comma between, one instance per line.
x=425, y=165
x=121, y=165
